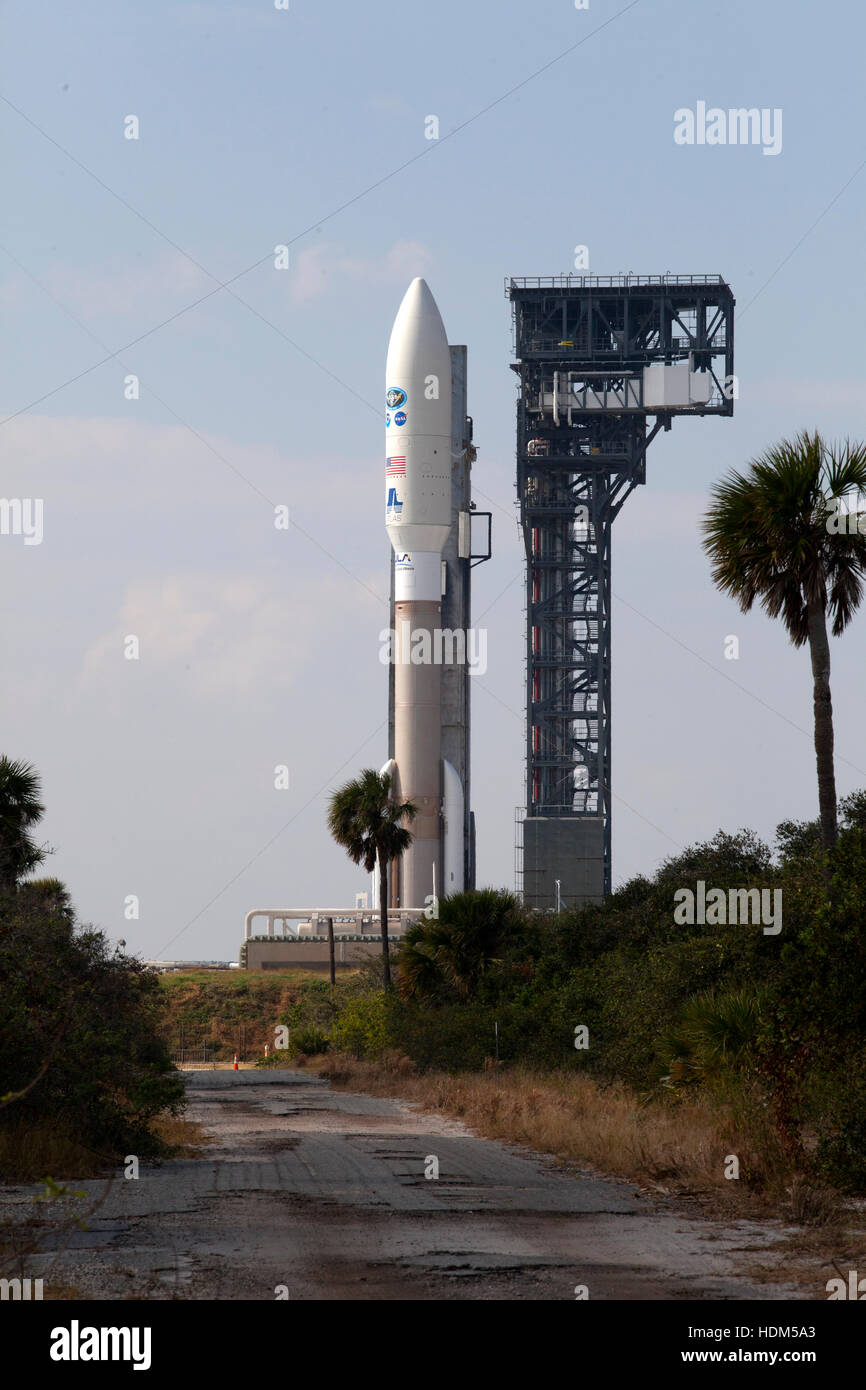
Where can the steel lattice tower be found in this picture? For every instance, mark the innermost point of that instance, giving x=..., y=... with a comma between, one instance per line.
x=597, y=356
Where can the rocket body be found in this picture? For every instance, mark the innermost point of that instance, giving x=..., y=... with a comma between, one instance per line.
x=418, y=445
x=418, y=522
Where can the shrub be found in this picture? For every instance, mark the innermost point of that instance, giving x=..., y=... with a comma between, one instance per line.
x=361, y=1026
x=310, y=1041
x=840, y=1154
x=79, y=1044
x=713, y=1036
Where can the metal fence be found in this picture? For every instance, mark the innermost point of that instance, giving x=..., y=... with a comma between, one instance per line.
x=204, y=1056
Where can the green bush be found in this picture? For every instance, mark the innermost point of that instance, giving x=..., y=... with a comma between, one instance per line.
x=361, y=1028
x=713, y=1037
x=310, y=1041
x=840, y=1155
x=79, y=1034
x=452, y=1038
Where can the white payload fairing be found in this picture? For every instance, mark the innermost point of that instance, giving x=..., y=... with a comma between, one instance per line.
x=418, y=518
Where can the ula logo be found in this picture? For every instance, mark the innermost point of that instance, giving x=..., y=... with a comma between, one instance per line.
x=395, y=397
x=856, y=1287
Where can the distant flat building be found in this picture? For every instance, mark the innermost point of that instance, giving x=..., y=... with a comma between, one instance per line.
x=303, y=940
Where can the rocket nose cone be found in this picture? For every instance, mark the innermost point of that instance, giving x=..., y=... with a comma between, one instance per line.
x=418, y=318
x=419, y=291
x=418, y=301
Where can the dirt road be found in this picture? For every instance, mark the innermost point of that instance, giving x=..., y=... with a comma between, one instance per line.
x=310, y=1193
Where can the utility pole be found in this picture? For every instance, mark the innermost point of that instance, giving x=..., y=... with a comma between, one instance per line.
x=331, y=955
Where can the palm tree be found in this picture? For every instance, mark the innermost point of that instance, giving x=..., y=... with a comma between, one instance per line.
x=364, y=819
x=458, y=948
x=421, y=967
x=20, y=809
x=769, y=535
x=479, y=923
x=714, y=1035
x=48, y=894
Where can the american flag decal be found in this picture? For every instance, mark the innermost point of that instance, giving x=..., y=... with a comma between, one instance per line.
x=395, y=466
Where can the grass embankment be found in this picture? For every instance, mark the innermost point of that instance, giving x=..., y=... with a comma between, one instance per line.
x=231, y=1011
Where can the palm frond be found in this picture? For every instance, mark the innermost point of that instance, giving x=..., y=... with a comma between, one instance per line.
x=766, y=534
x=363, y=819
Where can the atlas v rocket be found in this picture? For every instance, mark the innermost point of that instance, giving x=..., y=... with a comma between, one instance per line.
x=428, y=454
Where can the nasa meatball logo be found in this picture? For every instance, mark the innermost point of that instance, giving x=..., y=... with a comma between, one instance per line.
x=395, y=397
x=400, y=417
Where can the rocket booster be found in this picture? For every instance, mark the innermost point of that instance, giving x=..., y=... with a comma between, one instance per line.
x=418, y=522
x=418, y=444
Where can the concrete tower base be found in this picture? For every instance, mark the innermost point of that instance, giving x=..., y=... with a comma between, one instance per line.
x=570, y=849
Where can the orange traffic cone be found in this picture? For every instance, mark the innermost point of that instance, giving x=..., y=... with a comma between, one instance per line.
x=235, y=1067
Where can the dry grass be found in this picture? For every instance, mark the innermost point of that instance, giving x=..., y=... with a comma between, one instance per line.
x=813, y=1206
x=187, y=1137
x=673, y=1148
x=813, y=1254
x=28, y=1152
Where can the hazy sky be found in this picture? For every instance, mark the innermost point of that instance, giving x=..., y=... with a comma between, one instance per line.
x=258, y=647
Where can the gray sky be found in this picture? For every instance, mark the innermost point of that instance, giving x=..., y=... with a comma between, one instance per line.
x=258, y=647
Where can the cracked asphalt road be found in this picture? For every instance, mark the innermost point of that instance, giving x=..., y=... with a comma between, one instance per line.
x=311, y=1193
